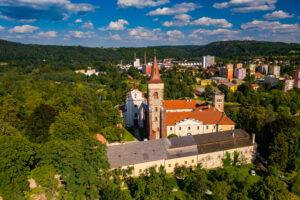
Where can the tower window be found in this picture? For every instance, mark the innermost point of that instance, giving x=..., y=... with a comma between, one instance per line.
x=156, y=109
x=189, y=128
x=155, y=119
x=134, y=95
x=155, y=95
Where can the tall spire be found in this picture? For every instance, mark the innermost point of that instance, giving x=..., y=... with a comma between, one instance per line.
x=155, y=76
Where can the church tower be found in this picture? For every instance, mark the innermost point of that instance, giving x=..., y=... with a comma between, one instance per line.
x=218, y=101
x=155, y=87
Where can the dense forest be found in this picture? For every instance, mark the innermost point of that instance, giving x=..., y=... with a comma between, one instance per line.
x=228, y=49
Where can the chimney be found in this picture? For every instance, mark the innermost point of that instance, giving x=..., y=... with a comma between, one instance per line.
x=187, y=100
x=232, y=133
x=214, y=109
x=208, y=106
x=253, y=138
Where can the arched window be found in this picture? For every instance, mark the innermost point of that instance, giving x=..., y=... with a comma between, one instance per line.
x=155, y=119
x=156, y=109
x=155, y=95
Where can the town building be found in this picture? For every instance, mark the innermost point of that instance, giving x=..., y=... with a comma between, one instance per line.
x=231, y=86
x=208, y=61
x=288, y=84
x=238, y=65
x=275, y=70
x=219, y=80
x=205, y=82
x=252, y=67
x=259, y=76
x=205, y=149
x=240, y=73
x=263, y=69
x=273, y=80
x=189, y=64
x=89, y=72
x=227, y=71
x=255, y=86
x=296, y=77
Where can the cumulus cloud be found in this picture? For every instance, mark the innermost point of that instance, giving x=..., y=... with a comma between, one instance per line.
x=219, y=31
x=114, y=37
x=49, y=34
x=88, y=25
x=206, y=21
x=23, y=29
x=273, y=27
x=141, y=33
x=141, y=3
x=176, y=9
x=278, y=15
x=185, y=20
x=80, y=34
x=174, y=35
x=78, y=20
x=24, y=10
x=245, y=6
x=116, y=26
x=178, y=20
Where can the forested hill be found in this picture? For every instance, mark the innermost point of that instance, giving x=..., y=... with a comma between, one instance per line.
x=229, y=49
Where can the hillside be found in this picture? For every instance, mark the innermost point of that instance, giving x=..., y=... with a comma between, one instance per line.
x=228, y=49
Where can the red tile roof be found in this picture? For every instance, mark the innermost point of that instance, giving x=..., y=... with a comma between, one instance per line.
x=180, y=104
x=258, y=74
x=208, y=116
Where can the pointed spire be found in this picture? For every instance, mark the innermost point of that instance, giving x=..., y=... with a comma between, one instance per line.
x=155, y=76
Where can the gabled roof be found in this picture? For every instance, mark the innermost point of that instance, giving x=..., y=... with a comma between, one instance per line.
x=180, y=104
x=206, y=114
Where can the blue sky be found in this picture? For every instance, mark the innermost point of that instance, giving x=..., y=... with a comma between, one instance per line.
x=131, y=23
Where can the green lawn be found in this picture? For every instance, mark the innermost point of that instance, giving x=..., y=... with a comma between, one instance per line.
x=128, y=136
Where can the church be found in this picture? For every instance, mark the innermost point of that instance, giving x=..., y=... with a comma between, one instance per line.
x=162, y=118
x=206, y=134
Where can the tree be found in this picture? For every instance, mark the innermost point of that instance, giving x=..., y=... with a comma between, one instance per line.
x=296, y=184
x=279, y=151
x=68, y=126
x=227, y=161
x=79, y=162
x=17, y=156
x=45, y=176
x=113, y=133
x=38, y=123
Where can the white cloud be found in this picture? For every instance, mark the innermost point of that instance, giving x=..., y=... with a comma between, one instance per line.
x=174, y=35
x=80, y=34
x=245, y=6
x=273, y=27
x=88, y=25
x=141, y=33
x=176, y=9
x=185, y=20
x=2, y=28
x=49, y=34
x=116, y=26
x=23, y=29
x=206, y=21
x=29, y=10
x=219, y=31
x=78, y=20
x=278, y=15
x=114, y=37
x=141, y=3
x=178, y=20
x=248, y=38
